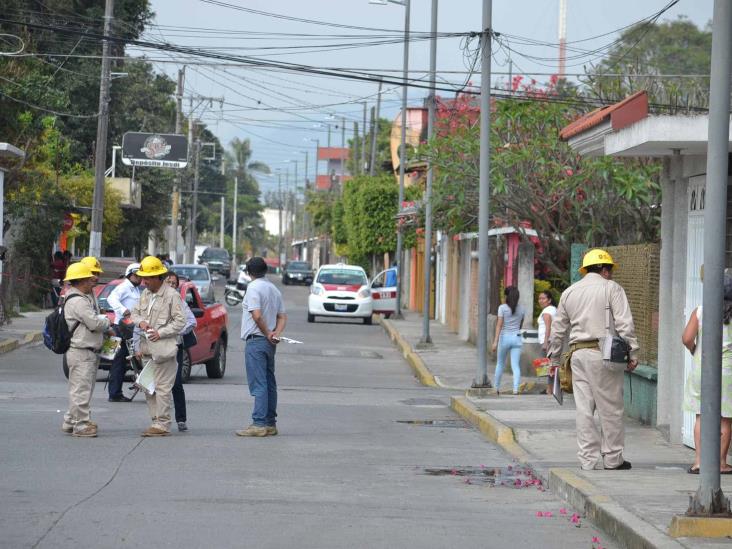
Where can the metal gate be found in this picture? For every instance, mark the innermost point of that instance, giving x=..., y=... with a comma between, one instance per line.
x=694, y=261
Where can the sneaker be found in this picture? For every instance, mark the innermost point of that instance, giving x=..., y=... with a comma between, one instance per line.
x=271, y=430
x=182, y=426
x=253, y=431
x=120, y=398
x=88, y=431
x=622, y=467
x=155, y=432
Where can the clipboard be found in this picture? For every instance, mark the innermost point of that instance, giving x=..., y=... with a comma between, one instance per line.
x=145, y=380
x=557, y=392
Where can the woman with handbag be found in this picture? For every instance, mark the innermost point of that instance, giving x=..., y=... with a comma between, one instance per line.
x=186, y=339
x=691, y=339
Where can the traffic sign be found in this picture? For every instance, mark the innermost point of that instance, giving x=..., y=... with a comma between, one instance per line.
x=154, y=150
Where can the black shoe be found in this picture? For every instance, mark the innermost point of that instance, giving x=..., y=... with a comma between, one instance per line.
x=622, y=467
x=120, y=398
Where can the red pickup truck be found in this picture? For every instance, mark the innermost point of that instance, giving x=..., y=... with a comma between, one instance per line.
x=211, y=331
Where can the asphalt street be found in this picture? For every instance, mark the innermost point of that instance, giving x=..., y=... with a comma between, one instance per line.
x=366, y=457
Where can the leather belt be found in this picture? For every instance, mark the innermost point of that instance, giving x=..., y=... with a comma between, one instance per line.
x=252, y=336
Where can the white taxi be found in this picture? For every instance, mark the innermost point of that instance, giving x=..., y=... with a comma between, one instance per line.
x=340, y=290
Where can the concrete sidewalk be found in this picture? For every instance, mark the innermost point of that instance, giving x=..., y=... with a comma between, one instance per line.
x=635, y=507
x=22, y=330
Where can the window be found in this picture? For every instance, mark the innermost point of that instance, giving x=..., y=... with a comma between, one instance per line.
x=342, y=277
x=190, y=298
x=193, y=273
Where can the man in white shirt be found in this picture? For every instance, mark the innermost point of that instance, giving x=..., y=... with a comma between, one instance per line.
x=122, y=300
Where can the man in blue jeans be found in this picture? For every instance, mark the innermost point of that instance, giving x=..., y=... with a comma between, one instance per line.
x=263, y=320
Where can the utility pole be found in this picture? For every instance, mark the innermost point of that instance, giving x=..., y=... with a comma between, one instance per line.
x=306, y=217
x=223, y=219
x=426, y=339
x=371, y=135
x=192, y=232
x=175, y=206
x=233, y=219
x=100, y=150
x=402, y=160
x=562, y=37
x=343, y=148
x=356, y=151
x=363, y=142
x=709, y=498
x=481, y=377
x=375, y=132
x=279, y=210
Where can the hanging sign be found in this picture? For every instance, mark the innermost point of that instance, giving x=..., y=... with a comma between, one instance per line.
x=154, y=150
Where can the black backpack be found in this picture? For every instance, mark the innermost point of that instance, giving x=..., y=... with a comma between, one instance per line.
x=56, y=333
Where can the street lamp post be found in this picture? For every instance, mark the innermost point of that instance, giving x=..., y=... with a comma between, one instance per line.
x=402, y=147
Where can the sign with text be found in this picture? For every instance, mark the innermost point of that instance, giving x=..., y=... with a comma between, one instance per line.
x=154, y=150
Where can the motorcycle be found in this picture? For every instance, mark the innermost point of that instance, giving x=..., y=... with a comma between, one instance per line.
x=234, y=293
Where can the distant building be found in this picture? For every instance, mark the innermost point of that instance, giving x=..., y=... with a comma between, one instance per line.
x=272, y=221
x=336, y=171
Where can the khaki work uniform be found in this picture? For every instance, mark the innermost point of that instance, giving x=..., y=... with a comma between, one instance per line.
x=164, y=312
x=82, y=316
x=597, y=384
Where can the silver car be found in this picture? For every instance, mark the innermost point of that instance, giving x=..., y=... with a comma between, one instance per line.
x=199, y=275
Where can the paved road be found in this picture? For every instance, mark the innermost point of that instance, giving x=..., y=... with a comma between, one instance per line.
x=348, y=468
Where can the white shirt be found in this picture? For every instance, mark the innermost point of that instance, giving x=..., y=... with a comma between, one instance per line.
x=123, y=298
x=551, y=310
x=264, y=296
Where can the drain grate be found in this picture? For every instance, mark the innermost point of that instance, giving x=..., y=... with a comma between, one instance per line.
x=454, y=423
x=510, y=476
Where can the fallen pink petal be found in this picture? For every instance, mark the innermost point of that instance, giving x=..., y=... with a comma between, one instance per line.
x=562, y=511
x=595, y=540
x=539, y=514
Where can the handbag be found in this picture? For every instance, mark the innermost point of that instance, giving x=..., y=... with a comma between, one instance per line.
x=614, y=347
x=190, y=340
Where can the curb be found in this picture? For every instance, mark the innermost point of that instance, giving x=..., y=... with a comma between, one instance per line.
x=421, y=372
x=696, y=527
x=493, y=429
x=8, y=345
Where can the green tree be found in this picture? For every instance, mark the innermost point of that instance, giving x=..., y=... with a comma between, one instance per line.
x=675, y=47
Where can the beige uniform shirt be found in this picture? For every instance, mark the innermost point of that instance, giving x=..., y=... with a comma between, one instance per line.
x=581, y=314
x=163, y=311
x=83, y=310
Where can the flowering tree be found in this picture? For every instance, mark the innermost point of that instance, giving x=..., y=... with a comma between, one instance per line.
x=537, y=178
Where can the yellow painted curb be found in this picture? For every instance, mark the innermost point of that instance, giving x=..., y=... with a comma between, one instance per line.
x=700, y=527
x=8, y=345
x=421, y=372
x=492, y=428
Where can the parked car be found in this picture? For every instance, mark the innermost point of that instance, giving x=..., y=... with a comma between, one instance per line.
x=211, y=331
x=297, y=272
x=200, y=276
x=383, y=292
x=340, y=290
x=217, y=260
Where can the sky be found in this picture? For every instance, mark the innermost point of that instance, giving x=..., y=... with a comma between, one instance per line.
x=281, y=112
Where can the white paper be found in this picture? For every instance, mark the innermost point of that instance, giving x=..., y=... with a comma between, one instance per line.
x=145, y=380
x=291, y=341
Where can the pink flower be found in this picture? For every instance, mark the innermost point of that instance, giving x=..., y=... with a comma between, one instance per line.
x=517, y=482
x=595, y=539
x=562, y=511
x=539, y=514
x=549, y=514
x=453, y=472
x=575, y=519
x=569, y=172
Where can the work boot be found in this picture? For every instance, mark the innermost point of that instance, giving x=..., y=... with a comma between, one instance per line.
x=86, y=431
x=622, y=467
x=120, y=398
x=155, y=432
x=182, y=426
x=253, y=431
x=271, y=430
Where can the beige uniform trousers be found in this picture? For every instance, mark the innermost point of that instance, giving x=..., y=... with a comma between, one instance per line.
x=82, y=378
x=598, y=385
x=159, y=403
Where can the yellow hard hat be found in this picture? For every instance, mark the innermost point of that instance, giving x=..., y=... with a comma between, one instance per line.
x=595, y=257
x=151, y=266
x=77, y=271
x=93, y=263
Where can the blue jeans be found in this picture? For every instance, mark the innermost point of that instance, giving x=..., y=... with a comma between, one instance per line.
x=509, y=343
x=259, y=360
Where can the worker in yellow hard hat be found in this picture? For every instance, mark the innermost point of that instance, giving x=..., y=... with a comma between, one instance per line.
x=159, y=316
x=87, y=326
x=94, y=265
x=590, y=312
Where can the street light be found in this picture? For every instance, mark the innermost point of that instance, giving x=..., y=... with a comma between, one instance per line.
x=403, y=146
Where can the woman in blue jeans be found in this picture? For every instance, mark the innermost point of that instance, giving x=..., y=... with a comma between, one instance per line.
x=507, y=339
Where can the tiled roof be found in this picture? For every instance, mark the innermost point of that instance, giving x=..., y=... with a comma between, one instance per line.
x=333, y=153
x=622, y=114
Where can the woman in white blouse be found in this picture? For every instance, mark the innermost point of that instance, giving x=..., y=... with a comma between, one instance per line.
x=548, y=310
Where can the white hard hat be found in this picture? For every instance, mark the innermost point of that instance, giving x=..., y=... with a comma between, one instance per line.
x=132, y=268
